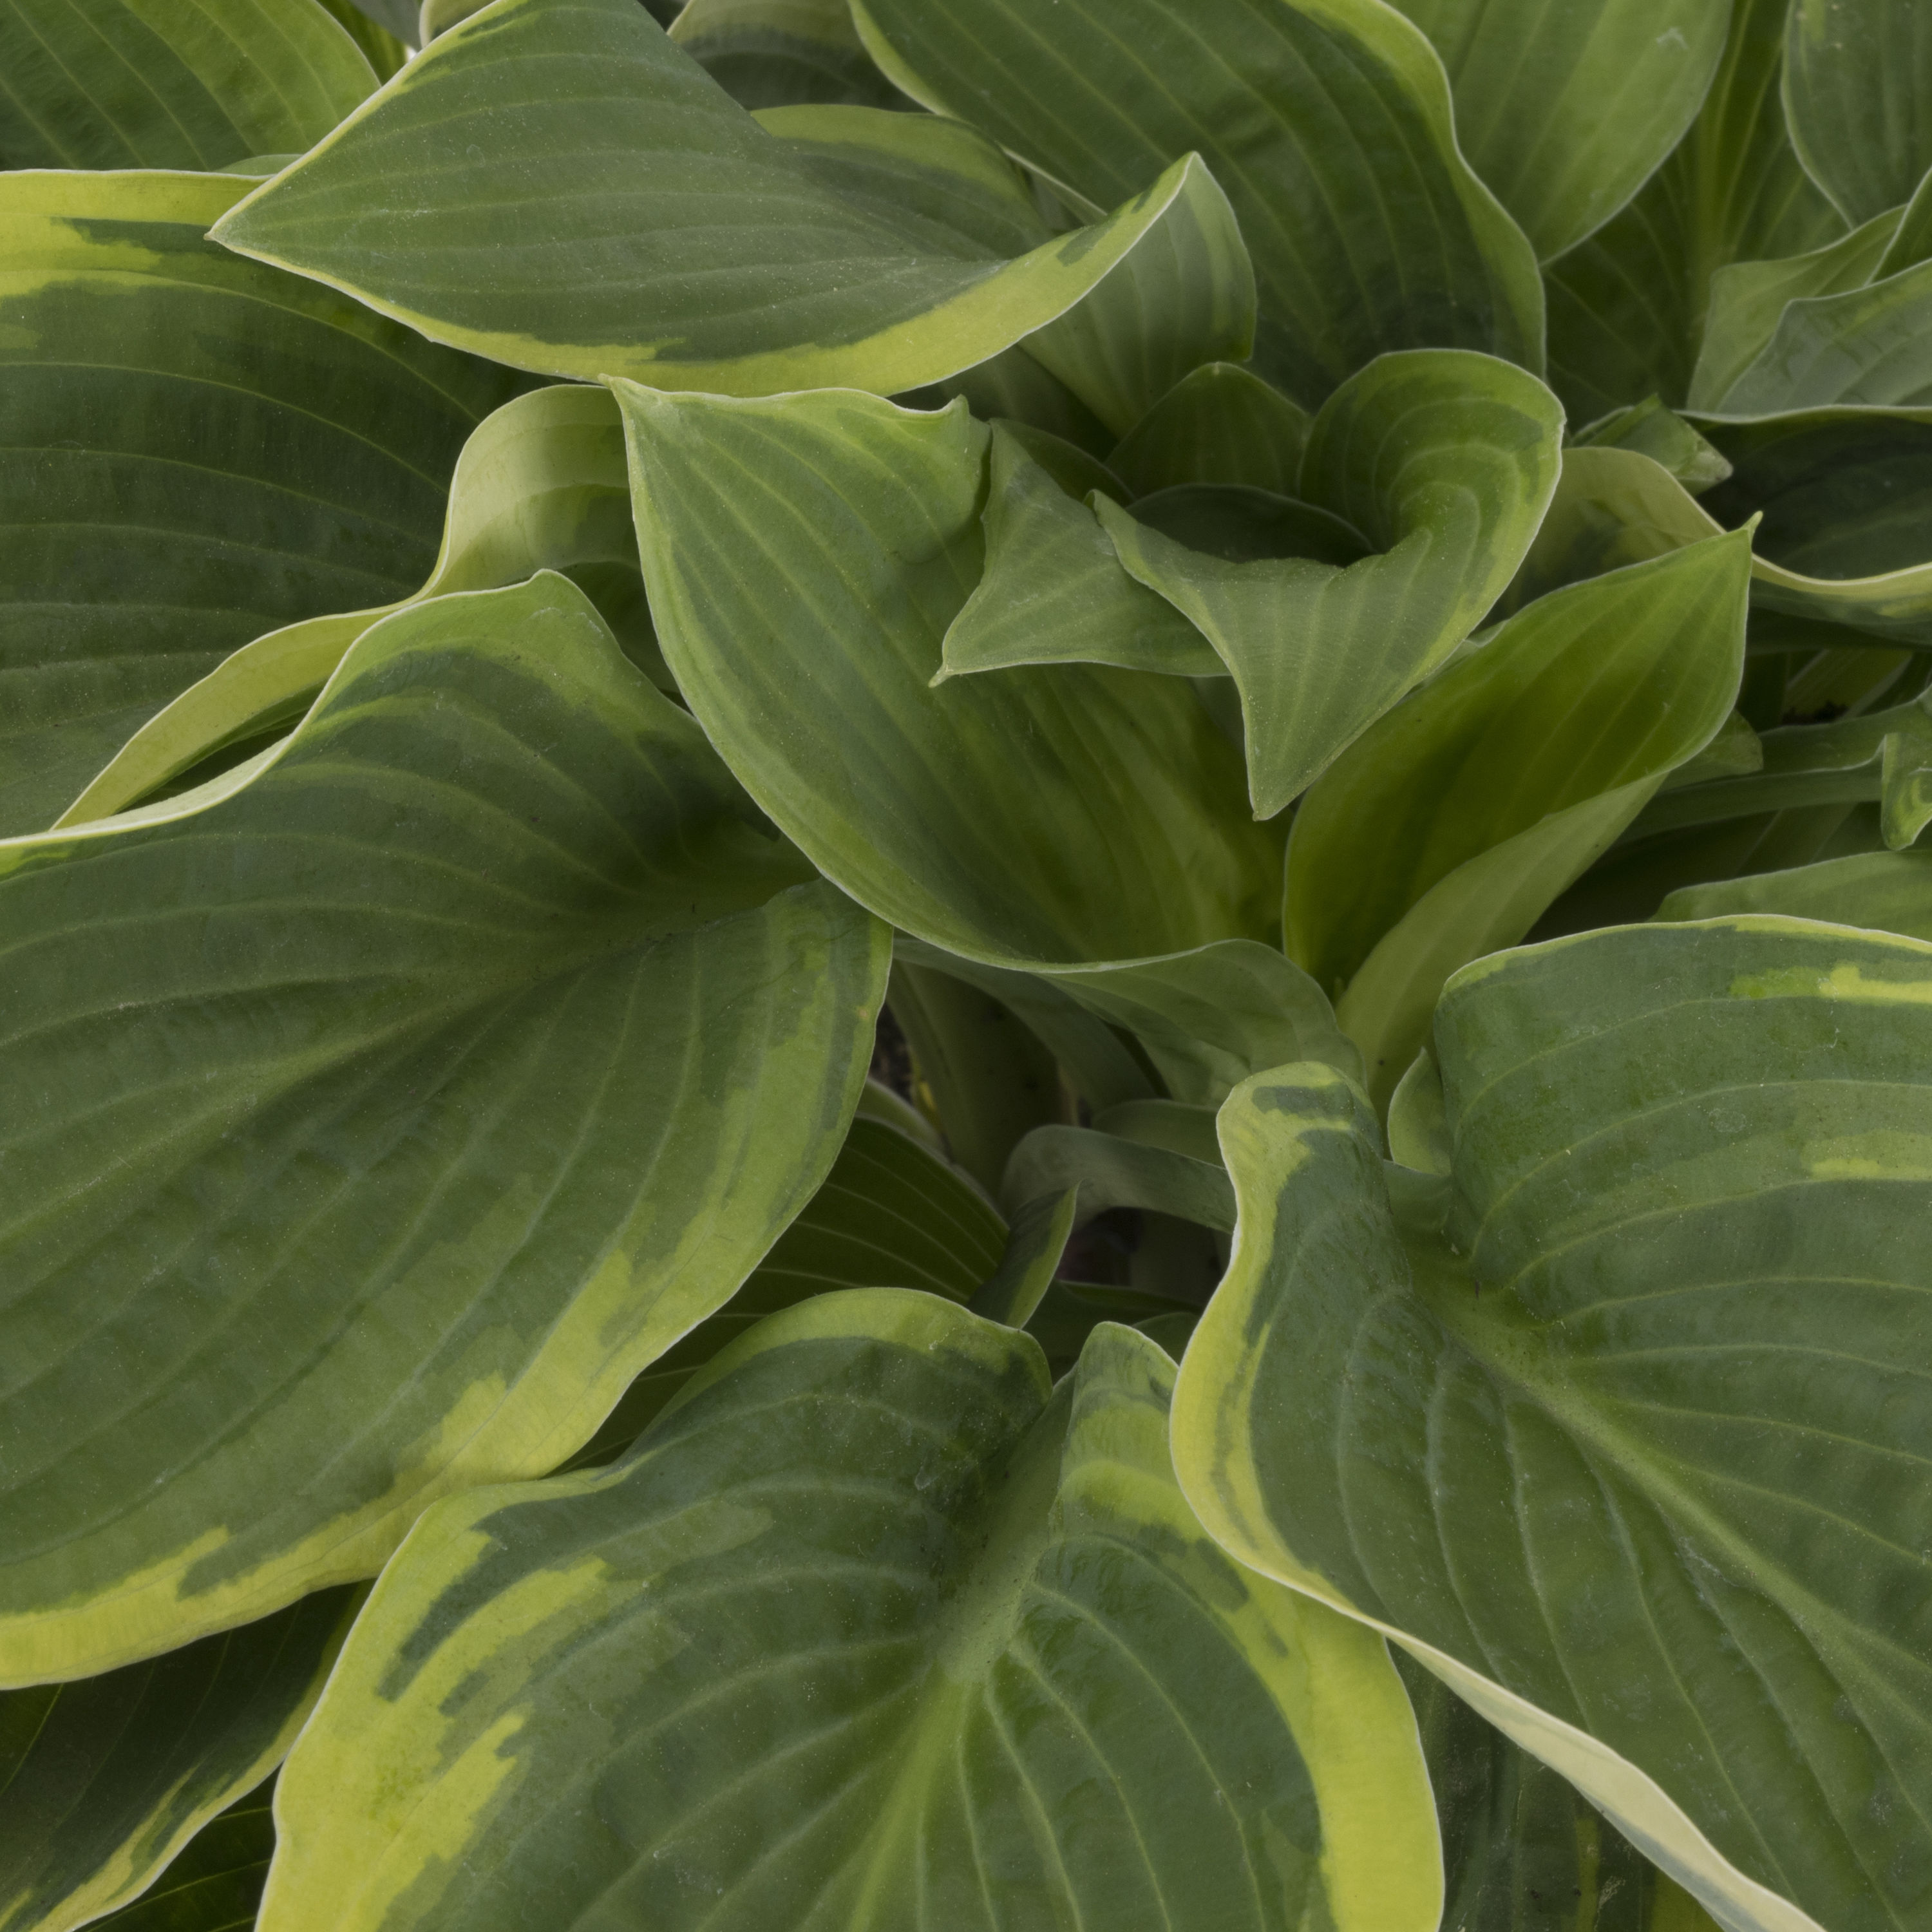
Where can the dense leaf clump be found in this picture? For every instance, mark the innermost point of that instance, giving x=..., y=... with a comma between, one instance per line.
x=964, y=965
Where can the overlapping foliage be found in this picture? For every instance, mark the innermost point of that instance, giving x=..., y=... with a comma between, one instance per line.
x=964, y=965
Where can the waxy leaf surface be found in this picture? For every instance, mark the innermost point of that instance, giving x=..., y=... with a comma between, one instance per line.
x=1857, y=93
x=870, y=1631
x=198, y=450
x=1622, y=1425
x=444, y=1065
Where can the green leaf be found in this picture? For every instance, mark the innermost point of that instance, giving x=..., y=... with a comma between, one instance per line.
x=777, y=53
x=1105, y=1170
x=1219, y=424
x=386, y=51
x=202, y=450
x=540, y=484
x=805, y=555
x=1890, y=892
x=1070, y=1311
x=891, y=1213
x=1360, y=245
x=448, y=1062
x=1054, y=590
x=1665, y=437
x=870, y=1631
x=1449, y=826
x=157, y=84
x=700, y=251
x=402, y=18
x=1522, y=1852
x=1013, y=1291
x=1858, y=76
x=1748, y=298
x=1620, y=1427
x=1445, y=461
x=1566, y=111
x=1843, y=493
x=105, y=1780
x=1627, y=307
x=215, y=1886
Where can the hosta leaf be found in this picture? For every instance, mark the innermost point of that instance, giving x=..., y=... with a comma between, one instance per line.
x=540, y=484
x=693, y=247
x=1054, y=590
x=1360, y=245
x=160, y=84
x=773, y=53
x=1522, y=1852
x=1857, y=76
x=1219, y=424
x=1565, y=111
x=200, y=450
x=402, y=18
x=1445, y=830
x=215, y=1884
x=1889, y=891
x=1627, y=306
x=1105, y=1170
x=1838, y=490
x=805, y=555
x=1445, y=461
x=1665, y=437
x=890, y=1214
x=386, y=51
x=1621, y=1425
x=1865, y=346
x=104, y=1780
x=446, y=1064
x=870, y=1631
x=1748, y=298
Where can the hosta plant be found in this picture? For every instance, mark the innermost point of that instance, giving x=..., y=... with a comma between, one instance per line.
x=964, y=965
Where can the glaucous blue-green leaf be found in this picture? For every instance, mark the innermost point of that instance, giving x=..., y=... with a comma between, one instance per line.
x=1748, y=301
x=1566, y=111
x=1521, y=1851
x=872, y=1630
x=1448, y=827
x=1445, y=461
x=1857, y=93
x=891, y=1213
x=379, y=1111
x=540, y=484
x=778, y=53
x=1054, y=590
x=200, y=450
x=805, y=555
x=215, y=1884
x=1891, y=891
x=678, y=240
x=1219, y=424
x=1621, y=1426
x=1360, y=244
x=1842, y=493
x=189, y=84
x=1627, y=305
x=102, y=1781
x=1882, y=756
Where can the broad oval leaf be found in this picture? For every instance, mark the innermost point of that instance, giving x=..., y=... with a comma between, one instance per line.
x=677, y=242
x=1621, y=1425
x=448, y=1062
x=160, y=84
x=201, y=450
x=1564, y=110
x=540, y=484
x=1857, y=93
x=215, y=1884
x=780, y=53
x=1891, y=891
x=805, y=555
x=106, y=1780
x=870, y=1631
x=1359, y=246
x=1446, y=829
x=1445, y=461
